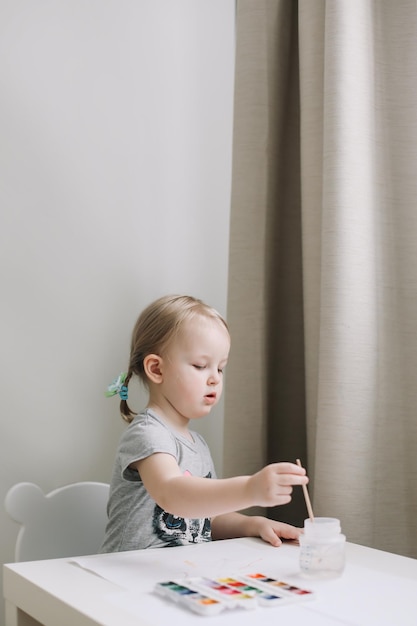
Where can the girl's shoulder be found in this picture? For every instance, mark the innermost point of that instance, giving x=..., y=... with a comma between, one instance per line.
x=146, y=433
x=147, y=419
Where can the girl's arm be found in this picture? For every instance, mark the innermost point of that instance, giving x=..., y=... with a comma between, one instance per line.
x=192, y=496
x=232, y=525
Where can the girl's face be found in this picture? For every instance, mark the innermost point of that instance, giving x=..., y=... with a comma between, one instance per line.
x=192, y=369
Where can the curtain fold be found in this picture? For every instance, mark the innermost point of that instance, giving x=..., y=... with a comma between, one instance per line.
x=265, y=399
x=323, y=249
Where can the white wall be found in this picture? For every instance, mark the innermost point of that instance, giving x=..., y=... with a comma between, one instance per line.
x=115, y=148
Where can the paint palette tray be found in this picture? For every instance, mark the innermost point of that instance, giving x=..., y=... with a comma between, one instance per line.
x=210, y=596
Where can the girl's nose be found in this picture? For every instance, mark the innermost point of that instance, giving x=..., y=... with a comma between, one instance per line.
x=214, y=378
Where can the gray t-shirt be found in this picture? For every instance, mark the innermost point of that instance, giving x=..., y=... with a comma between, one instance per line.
x=135, y=520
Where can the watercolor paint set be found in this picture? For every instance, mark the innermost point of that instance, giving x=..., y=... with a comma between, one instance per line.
x=209, y=596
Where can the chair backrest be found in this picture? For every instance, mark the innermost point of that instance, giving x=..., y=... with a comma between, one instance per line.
x=69, y=521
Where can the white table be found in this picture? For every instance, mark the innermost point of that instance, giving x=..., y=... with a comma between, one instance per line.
x=376, y=589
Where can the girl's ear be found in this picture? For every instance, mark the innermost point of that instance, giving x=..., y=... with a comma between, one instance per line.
x=152, y=364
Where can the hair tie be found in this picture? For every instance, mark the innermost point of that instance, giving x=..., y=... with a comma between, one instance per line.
x=118, y=386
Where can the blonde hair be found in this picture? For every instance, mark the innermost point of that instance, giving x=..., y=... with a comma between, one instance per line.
x=155, y=328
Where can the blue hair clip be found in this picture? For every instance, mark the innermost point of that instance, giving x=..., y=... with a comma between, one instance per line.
x=118, y=386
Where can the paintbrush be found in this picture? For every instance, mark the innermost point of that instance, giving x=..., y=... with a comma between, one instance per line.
x=306, y=497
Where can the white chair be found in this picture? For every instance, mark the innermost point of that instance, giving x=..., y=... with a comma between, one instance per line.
x=69, y=521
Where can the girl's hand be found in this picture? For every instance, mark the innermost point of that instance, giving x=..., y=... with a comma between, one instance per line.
x=271, y=531
x=273, y=484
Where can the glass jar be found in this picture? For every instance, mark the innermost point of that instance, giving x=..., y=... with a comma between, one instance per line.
x=322, y=548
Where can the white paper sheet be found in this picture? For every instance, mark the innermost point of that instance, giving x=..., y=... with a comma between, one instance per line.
x=362, y=596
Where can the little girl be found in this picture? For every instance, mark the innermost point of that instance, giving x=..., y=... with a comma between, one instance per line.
x=164, y=490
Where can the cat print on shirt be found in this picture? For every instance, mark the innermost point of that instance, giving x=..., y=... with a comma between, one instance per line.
x=179, y=531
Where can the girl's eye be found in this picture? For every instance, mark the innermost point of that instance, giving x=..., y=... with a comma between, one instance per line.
x=199, y=367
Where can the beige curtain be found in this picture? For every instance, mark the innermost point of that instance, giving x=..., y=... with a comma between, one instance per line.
x=323, y=259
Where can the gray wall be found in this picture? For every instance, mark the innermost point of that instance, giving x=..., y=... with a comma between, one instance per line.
x=115, y=167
